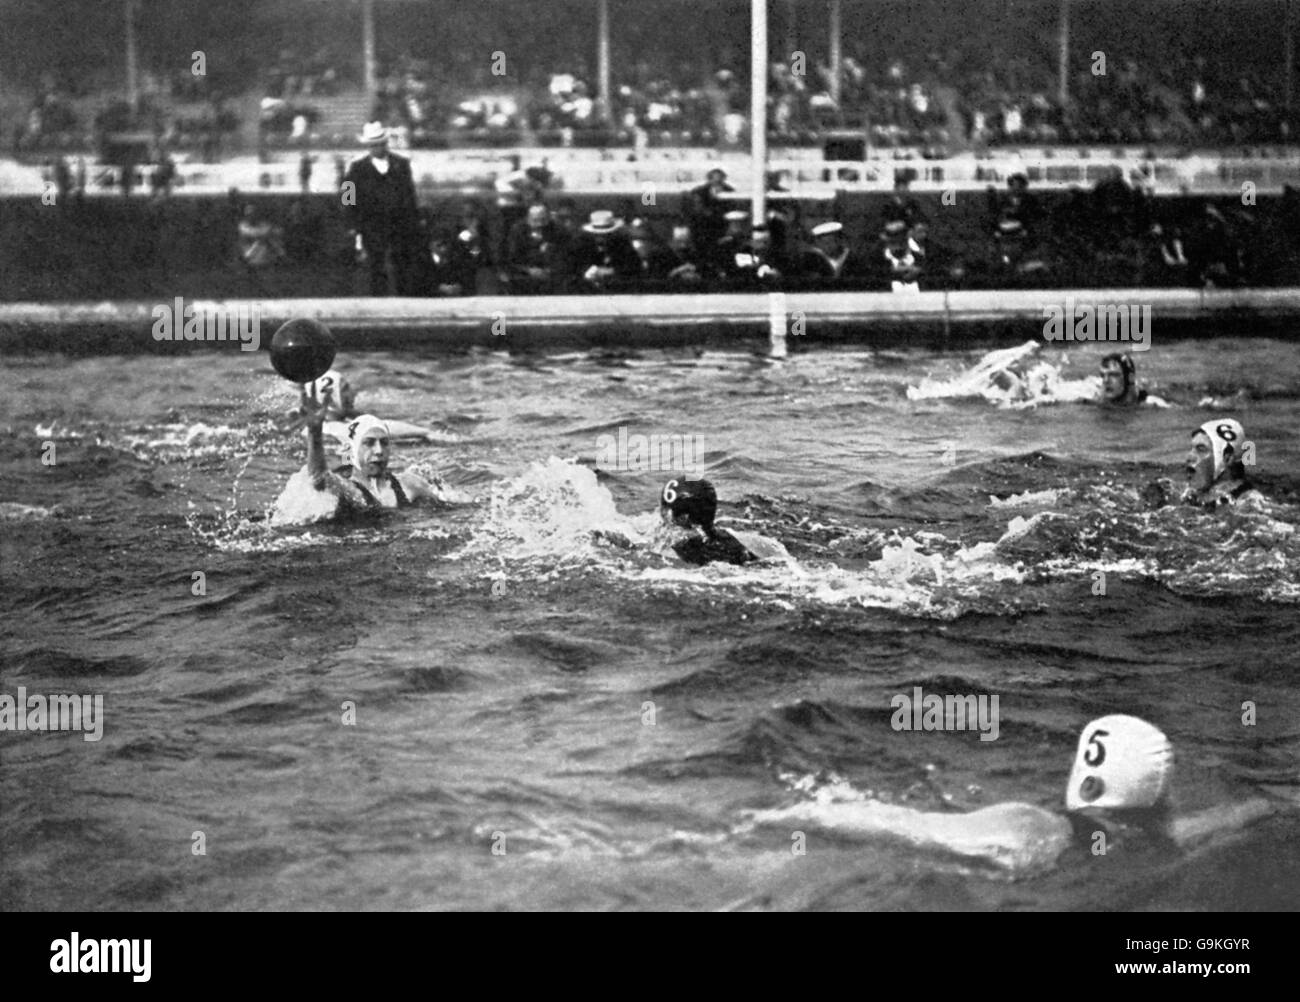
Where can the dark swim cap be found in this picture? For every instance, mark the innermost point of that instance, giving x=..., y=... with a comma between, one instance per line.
x=693, y=500
x=1125, y=363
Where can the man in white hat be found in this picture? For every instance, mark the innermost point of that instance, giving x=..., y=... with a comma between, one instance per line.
x=605, y=254
x=833, y=258
x=380, y=209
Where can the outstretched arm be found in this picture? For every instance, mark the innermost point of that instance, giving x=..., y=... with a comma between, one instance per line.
x=310, y=416
x=1218, y=821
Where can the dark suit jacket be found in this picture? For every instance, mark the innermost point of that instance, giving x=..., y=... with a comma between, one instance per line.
x=385, y=206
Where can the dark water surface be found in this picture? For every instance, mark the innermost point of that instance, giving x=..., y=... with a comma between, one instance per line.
x=600, y=712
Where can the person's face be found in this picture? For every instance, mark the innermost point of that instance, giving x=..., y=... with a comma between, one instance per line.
x=830, y=244
x=538, y=217
x=564, y=217
x=919, y=232
x=736, y=227
x=347, y=397
x=761, y=240
x=373, y=453
x=681, y=238
x=1112, y=381
x=379, y=150
x=1199, y=464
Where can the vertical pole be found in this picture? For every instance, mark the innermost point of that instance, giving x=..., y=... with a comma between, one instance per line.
x=836, y=57
x=1288, y=57
x=602, y=63
x=758, y=110
x=368, y=53
x=132, y=68
x=1063, y=57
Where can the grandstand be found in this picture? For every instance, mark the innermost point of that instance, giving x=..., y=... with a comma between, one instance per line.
x=918, y=75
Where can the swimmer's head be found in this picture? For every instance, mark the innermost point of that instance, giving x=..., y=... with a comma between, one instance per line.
x=342, y=397
x=368, y=440
x=1216, y=454
x=1121, y=763
x=689, y=503
x=1118, y=378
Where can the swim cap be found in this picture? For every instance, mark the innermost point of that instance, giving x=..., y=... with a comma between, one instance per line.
x=330, y=381
x=1121, y=762
x=694, y=500
x=357, y=431
x=1224, y=432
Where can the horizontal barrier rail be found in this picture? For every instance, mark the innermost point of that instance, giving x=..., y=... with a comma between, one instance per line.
x=598, y=171
x=516, y=322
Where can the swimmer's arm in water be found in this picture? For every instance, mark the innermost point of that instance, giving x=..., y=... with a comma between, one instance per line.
x=419, y=489
x=1224, y=819
x=1013, y=835
x=402, y=429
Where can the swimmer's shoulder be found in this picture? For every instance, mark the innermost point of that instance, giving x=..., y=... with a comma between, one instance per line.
x=723, y=547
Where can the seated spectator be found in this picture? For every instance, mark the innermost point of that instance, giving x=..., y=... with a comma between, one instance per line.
x=536, y=254
x=941, y=269
x=1019, y=203
x=686, y=268
x=658, y=260
x=259, y=241
x=1014, y=256
x=604, y=256
x=897, y=263
x=755, y=262
x=832, y=259
x=901, y=207
x=735, y=240
x=467, y=254
x=1164, y=259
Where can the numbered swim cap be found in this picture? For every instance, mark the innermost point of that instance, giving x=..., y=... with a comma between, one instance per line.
x=329, y=381
x=1222, y=433
x=695, y=501
x=359, y=429
x=1121, y=762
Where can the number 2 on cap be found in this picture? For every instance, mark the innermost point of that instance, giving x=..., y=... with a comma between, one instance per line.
x=1100, y=756
x=670, y=495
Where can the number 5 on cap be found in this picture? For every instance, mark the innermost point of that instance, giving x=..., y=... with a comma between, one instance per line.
x=670, y=495
x=1099, y=756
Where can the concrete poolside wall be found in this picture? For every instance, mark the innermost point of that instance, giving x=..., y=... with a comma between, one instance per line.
x=734, y=321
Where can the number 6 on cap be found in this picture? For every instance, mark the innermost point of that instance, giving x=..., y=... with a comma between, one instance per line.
x=670, y=495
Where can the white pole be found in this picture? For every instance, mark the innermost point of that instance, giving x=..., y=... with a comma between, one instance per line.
x=1288, y=56
x=1063, y=56
x=602, y=63
x=836, y=68
x=132, y=72
x=758, y=110
x=368, y=53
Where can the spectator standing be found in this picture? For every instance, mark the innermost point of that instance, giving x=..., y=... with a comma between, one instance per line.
x=381, y=213
x=706, y=214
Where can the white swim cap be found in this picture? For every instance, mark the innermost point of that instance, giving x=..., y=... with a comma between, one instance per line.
x=331, y=381
x=1224, y=432
x=1121, y=762
x=358, y=429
